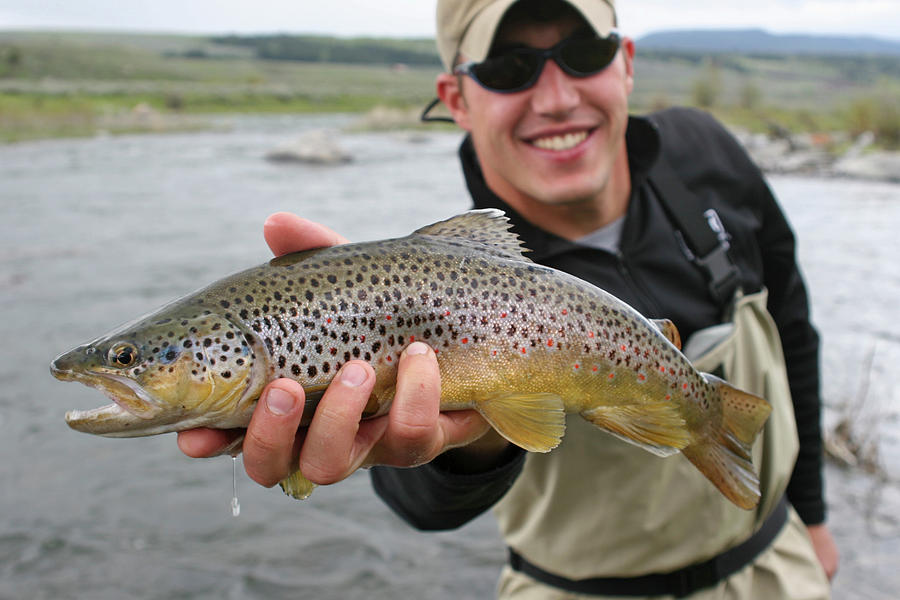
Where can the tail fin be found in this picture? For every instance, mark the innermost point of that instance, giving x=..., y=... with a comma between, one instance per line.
x=725, y=457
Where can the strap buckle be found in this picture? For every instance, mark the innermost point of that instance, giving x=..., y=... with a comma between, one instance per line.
x=724, y=276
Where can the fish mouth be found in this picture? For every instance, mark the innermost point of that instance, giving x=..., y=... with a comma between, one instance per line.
x=132, y=410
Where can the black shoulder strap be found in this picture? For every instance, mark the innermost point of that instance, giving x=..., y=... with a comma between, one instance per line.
x=704, y=237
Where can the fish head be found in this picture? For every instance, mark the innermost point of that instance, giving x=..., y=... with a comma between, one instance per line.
x=167, y=372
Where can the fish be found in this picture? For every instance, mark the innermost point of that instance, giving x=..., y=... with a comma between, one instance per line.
x=522, y=343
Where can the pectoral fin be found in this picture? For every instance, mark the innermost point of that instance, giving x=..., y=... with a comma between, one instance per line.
x=656, y=427
x=535, y=422
x=297, y=486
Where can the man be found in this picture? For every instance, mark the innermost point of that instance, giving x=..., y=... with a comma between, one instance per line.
x=542, y=89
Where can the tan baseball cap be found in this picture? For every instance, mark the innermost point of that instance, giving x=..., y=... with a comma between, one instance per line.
x=468, y=26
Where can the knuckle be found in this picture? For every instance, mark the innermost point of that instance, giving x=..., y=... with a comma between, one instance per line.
x=321, y=472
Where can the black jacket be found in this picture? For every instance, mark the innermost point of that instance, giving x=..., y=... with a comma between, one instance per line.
x=652, y=273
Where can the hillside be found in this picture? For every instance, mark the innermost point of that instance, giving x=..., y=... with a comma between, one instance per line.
x=758, y=41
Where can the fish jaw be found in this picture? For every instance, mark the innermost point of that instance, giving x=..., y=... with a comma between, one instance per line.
x=131, y=412
x=119, y=420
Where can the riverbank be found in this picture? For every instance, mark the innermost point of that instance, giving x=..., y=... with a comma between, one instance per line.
x=33, y=116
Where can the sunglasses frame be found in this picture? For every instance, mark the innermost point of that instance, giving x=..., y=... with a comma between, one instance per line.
x=543, y=54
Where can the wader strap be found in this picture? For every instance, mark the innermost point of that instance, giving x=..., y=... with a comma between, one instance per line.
x=680, y=583
x=701, y=233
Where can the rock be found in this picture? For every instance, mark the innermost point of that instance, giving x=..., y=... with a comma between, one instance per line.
x=318, y=146
x=882, y=166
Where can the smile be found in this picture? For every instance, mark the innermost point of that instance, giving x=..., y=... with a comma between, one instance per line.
x=560, y=142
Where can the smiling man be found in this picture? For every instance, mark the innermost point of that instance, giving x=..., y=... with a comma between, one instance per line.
x=667, y=213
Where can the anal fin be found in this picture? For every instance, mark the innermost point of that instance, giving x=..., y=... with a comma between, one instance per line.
x=656, y=427
x=535, y=422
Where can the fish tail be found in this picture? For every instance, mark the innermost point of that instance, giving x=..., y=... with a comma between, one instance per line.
x=725, y=456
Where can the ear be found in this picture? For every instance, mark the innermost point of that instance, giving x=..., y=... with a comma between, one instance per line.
x=628, y=56
x=449, y=90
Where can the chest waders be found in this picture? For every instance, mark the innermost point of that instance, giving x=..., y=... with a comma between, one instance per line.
x=597, y=516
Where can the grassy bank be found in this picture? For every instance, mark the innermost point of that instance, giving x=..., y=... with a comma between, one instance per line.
x=76, y=84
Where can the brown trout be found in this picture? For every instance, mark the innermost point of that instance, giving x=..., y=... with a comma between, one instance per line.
x=521, y=343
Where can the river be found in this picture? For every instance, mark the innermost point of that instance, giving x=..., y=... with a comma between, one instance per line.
x=98, y=231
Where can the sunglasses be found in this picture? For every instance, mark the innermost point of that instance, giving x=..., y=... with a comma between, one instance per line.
x=519, y=68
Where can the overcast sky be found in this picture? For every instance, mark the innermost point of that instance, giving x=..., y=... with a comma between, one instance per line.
x=416, y=17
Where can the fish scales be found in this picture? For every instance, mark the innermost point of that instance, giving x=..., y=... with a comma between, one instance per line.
x=520, y=342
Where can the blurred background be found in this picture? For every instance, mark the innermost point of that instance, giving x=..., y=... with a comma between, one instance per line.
x=142, y=146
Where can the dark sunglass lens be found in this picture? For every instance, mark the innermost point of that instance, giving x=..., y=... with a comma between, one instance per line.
x=586, y=57
x=508, y=71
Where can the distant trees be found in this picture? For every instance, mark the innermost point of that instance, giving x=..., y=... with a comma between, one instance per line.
x=310, y=48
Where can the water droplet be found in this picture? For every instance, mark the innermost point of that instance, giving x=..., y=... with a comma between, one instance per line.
x=235, y=505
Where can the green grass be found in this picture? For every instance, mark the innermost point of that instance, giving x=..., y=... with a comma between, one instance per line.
x=60, y=84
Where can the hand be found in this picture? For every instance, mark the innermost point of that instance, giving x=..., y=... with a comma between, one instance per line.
x=337, y=442
x=825, y=547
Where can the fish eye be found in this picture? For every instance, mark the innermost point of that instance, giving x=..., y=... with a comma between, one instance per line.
x=123, y=355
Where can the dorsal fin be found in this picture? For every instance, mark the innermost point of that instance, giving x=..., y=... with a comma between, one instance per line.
x=488, y=227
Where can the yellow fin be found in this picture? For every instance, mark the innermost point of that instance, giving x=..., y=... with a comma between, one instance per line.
x=656, y=427
x=535, y=422
x=668, y=329
x=743, y=414
x=724, y=457
x=297, y=486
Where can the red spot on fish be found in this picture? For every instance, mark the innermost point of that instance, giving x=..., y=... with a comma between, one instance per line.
x=565, y=312
x=590, y=334
x=612, y=375
x=388, y=317
x=447, y=313
x=494, y=353
x=594, y=369
x=389, y=359
x=624, y=348
x=550, y=342
x=642, y=377
x=668, y=396
x=576, y=365
x=328, y=320
x=684, y=387
x=524, y=351
x=362, y=338
x=412, y=338
x=465, y=340
x=503, y=315
x=662, y=369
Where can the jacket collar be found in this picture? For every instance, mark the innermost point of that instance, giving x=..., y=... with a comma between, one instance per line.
x=642, y=143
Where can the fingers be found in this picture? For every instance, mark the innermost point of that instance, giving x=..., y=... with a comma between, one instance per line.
x=414, y=435
x=206, y=443
x=336, y=440
x=417, y=431
x=286, y=233
x=272, y=445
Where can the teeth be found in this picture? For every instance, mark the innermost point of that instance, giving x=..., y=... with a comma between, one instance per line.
x=561, y=142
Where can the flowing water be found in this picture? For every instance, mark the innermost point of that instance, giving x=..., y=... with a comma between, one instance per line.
x=95, y=232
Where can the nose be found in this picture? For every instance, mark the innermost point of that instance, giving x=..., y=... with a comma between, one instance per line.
x=555, y=94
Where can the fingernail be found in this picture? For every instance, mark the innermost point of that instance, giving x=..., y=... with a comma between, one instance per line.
x=416, y=348
x=353, y=375
x=279, y=402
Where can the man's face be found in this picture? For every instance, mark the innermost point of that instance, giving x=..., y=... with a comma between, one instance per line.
x=555, y=143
